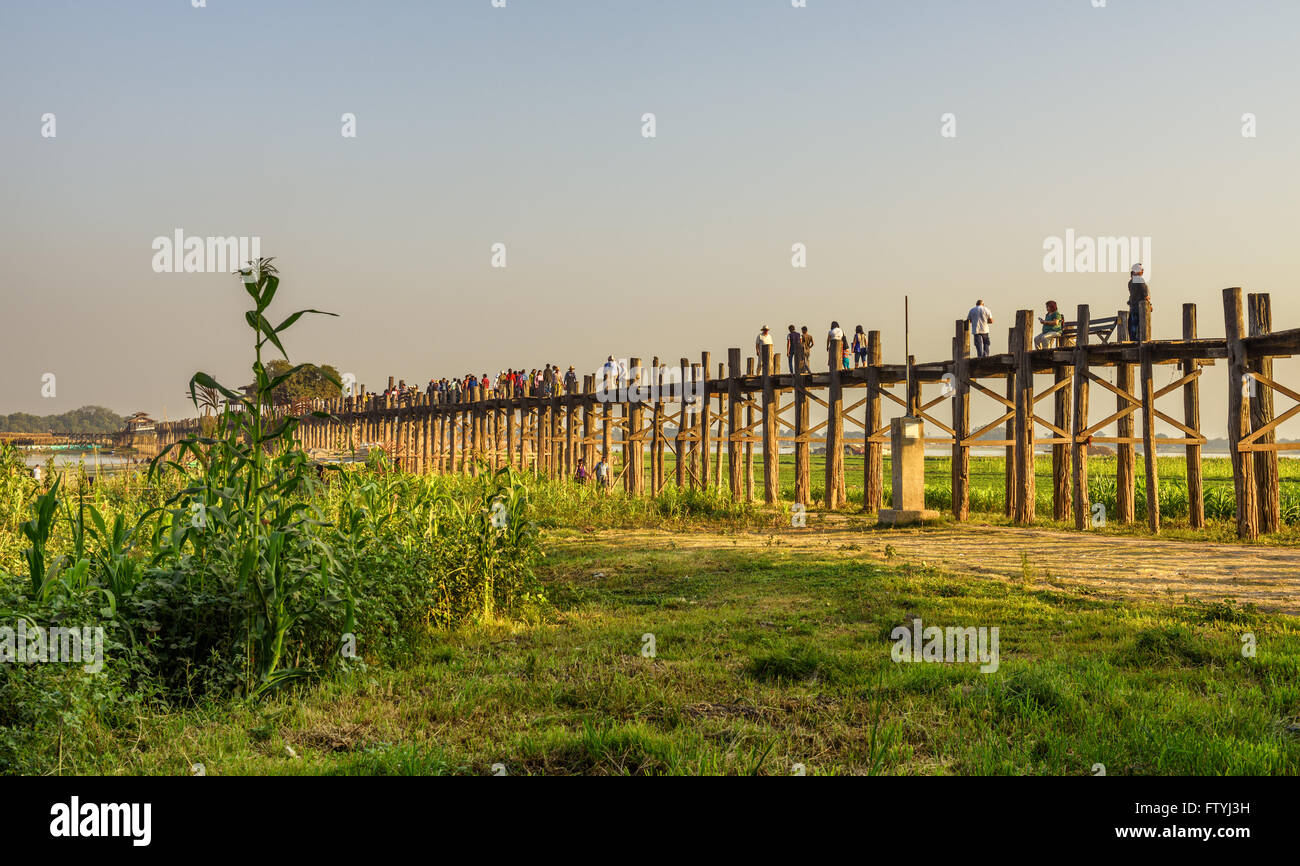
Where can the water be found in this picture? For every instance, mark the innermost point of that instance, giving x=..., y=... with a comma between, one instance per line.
x=96, y=462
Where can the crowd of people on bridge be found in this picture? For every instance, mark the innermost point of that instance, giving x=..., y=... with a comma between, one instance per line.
x=851, y=349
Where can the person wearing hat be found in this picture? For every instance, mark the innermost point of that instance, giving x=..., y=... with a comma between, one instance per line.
x=571, y=381
x=764, y=339
x=1139, y=296
x=1053, y=324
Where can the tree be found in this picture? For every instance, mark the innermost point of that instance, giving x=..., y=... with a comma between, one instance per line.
x=309, y=383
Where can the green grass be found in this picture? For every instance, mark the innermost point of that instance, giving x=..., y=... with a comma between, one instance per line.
x=767, y=659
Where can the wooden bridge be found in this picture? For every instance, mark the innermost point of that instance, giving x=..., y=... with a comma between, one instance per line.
x=55, y=439
x=748, y=405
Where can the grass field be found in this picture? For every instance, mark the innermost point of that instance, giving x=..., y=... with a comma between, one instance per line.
x=773, y=664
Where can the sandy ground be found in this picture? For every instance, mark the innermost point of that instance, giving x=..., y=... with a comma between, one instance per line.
x=1112, y=566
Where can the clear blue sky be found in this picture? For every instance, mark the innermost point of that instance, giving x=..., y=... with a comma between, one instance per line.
x=522, y=125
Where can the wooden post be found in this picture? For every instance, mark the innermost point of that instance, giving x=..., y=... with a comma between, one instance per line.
x=1243, y=464
x=1192, y=418
x=961, y=421
x=510, y=430
x=695, y=466
x=1149, y=424
x=802, y=448
x=1261, y=415
x=1126, y=467
x=749, y=435
x=683, y=423
x=657, y=434
x=1009, y=466
x=1061, y=451
x=734, y=453
x=717, y=452
x=706, y=422
x=1082, y=502
x=834, y=467
x=771, y=445
x=873, y=457
x=1025, y=499
x=636, y=420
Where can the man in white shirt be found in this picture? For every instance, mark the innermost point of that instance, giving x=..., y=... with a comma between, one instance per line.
x=980, y=318
x=764, y=339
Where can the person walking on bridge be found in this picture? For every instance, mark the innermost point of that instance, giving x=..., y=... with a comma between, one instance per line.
x=980, y=318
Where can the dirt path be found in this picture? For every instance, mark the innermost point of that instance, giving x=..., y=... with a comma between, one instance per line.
x=1109, y=565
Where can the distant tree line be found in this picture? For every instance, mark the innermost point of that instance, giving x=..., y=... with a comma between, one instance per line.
x=87, y=419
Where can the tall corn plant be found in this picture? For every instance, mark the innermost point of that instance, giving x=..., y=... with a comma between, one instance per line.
x=245, y=512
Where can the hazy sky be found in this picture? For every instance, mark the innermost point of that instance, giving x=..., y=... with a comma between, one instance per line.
x=522, y=125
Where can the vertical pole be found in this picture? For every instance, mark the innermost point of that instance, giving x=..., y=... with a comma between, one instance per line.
x=657, y=435
x=802, y=459
x=771, y=445
x=1025, y=492
x=834, y=467
x=749, y=436
x=1061, y=451
x=734, y=453
x=1243, y=464
x=873, y=462
x=683, y=423
x=1261, y=414
x=961, y=421
x=1125, y=468
x=1082, y=505
x=1009, y=468
x=696, y=424
x=1192, y=418
x=706, y=422
x=1149, y=424
x=636, y=420
x=717, y=448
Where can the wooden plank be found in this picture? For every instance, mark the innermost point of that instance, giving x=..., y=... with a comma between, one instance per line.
x=1149, y=457
x=1082, y=505
x=1192, y=418
x=1025, y=495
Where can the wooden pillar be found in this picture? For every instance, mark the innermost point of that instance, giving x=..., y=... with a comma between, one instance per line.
x=873, y=484
x=1260, y=314
x=734, y=453
x=1026, y=497
x=1150, y=456
x=771, y=444
x=511, y=407
x=961, y=421
x=1009, y=467
x=657, y=431
x=705, y=420
x=1061, y=451
x=771, y=421
x=1082, y=504
x=1243, y=464
x=683, y=424
x=717, y=453
x=636, y=436
x=1125, y=469
x=802, y=447
x=749, y=435
x=834, y=467
x=1192, y=418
